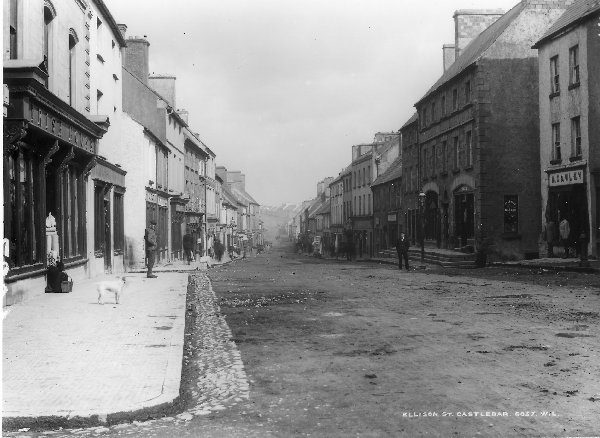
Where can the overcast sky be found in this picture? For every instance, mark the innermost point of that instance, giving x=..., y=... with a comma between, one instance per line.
x=282, y=89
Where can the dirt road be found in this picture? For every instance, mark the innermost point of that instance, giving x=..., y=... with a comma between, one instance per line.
x=341, y=349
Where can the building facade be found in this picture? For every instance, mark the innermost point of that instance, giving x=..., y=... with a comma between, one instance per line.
x=569, y=100
x=478, y=131
x=387, y=207
x=411, y=179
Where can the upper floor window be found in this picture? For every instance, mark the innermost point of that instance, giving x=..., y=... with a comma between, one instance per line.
x=424, y=163
x=454, y=99
x=72, y=67
x=554, y=76
x=444, y=156
x=49, y=15
x=556, y=155
x=433, y=111
x=574, y=65
x=13, y=29
x=456, y=154
x=433, y=160
x=369, y=174
x=575, y=137
x=443, y=105
x=467, y=91
x=469, y=148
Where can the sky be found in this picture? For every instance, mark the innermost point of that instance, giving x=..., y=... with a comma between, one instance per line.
x=282, y=89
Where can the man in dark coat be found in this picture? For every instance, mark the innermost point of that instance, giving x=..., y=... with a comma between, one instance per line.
x=188, y=247
x=402, y=246
x=151, y=240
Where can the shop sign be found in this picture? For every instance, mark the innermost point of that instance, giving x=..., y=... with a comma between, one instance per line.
x=565, y=178
x=391, y=217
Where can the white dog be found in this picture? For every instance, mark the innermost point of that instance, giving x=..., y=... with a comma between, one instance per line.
x=110, y=286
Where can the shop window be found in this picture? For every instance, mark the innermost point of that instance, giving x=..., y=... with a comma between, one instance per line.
x=554, y=76
x=21, y=220
x=119, y=224
x=574, y=65
x=556, y=154
x=511, y=214
x=73, y=213
x=576, y=137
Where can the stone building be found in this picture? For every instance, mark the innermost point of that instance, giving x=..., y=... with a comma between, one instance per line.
x=337, y=219
x=569, y=99
x=479, y=135
x=411, y=179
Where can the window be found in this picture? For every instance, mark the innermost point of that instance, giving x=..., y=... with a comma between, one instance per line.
x=456, y=156
x=511, y=214
x=575, y=137
x=467, y=91
x=554, y=76
x=13, y=29
x=444, y=156
x=556, y=155
x=119, y=224
x=433, y=160
x=72, y=68
x=354, y=180
x=574, y=65
x=433, y=111
x=425, y=117
x=21, y=223
x=454, y=99
x=443, y=105
x=73, y=213
x=369, y=174
x=47, y=35
x=424, y=163
x=469, y=148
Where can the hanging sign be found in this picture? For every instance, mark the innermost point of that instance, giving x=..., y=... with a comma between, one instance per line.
x=565, y=178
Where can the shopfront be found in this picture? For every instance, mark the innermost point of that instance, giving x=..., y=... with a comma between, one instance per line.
x=157, y=210
x=568, y=198
x=464, y=216
x=48, y=151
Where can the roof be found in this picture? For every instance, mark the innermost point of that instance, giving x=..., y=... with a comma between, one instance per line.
x=475, y=48
x=393, y=172
x=243, y=196
x=111, y=22
x=325, y=208
x=410, y=121
x=578, y=11
x=228, y=196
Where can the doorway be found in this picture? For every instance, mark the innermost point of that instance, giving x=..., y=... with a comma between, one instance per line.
x=464, y=218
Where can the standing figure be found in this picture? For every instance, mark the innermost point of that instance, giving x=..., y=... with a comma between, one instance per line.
x=188, y=247
x=151, y=240
x=402, y=246
x=565, y=232
x=550, y=235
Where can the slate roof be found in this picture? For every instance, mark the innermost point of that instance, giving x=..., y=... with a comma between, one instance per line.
x=228, y=196
x=393, y=172
x=410, y=121
x=476, y=48
x=324, y=208
x=578, y=11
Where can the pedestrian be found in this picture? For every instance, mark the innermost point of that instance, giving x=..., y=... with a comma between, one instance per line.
x=55, y=277
x=151, y=239
x=402, y=246
x=188, y=247
x=565, y=232
x=550, y=235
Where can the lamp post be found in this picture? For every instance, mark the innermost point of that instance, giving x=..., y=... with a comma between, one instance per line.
x=422, y=225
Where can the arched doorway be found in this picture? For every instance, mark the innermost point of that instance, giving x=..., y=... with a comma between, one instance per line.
x=464, y=214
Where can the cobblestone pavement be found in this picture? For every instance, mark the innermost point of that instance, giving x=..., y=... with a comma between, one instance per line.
x=222, y=380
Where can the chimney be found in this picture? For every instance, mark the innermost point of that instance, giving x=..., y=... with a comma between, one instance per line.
x=123, y=29
x=469, y=23
x=449, y=51
x=183, y=114
x=548, y=4
x=135, y=57
x=165, y=86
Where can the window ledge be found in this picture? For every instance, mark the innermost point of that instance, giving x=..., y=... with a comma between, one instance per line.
x=100, y=58
x=469, y=167
x=554, y=94
x=574, y=85
x=575, y=158
x=511, y=236
x=555, y=161
x=20, y=273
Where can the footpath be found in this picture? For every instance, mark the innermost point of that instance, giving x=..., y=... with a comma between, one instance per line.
x=69, y=360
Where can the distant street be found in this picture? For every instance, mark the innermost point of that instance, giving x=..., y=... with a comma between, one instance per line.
x=336, y=348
